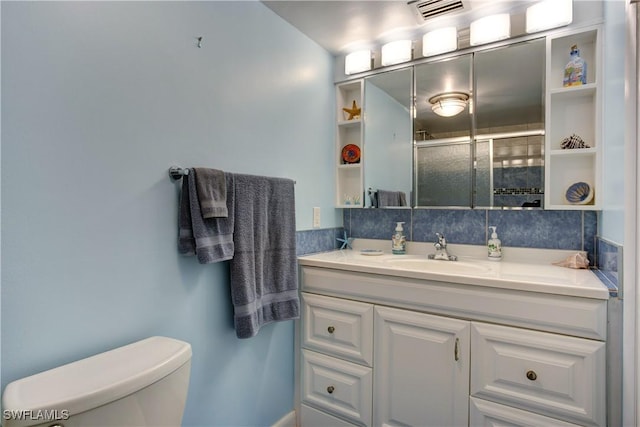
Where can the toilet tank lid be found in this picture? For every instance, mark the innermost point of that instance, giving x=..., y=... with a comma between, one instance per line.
x=97, y=380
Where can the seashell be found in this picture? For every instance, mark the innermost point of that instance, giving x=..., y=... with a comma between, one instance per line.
x=577, y=260
x=573, y=141
x=579, y=193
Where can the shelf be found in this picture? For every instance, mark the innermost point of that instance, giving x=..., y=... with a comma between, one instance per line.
x=349, y=123
x=573, y=110
x=587, y=42
x=584, y=90
x=574, y=152
x=566, y=170
x=349, y=176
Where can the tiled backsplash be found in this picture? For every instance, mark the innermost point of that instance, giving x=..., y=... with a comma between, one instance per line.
x=609, y=263
x=572, y=230
x=319, y=240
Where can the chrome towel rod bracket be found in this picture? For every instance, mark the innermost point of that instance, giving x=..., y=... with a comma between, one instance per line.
x=176, y=172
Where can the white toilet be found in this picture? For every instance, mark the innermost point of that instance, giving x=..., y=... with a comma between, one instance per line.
x=140, y=384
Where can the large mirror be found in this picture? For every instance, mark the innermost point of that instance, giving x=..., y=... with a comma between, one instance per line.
x=387, y=139
x=442, y=133
x=479, y=129
x=509, y=126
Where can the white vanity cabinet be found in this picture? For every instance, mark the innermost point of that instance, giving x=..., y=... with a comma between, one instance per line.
x=439, y=360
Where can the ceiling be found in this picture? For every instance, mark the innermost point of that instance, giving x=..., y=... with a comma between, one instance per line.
x=341, y=26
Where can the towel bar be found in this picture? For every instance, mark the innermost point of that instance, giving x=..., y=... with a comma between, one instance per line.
x=176, y=172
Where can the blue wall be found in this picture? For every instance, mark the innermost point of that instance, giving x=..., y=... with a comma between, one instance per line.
x=98, y=100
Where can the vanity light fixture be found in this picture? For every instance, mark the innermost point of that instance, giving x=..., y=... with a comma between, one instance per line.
x=440, y=41
x=357, y=62
x=548, y=14
x=490, y=29
x=396, y=52
x=449, y=104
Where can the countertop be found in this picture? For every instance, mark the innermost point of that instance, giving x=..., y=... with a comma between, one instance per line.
x=520, y=269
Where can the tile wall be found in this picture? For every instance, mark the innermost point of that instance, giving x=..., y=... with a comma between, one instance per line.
x=544, y=229
x=573, y=230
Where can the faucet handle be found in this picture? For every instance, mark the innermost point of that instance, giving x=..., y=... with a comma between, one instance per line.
x=441, y=239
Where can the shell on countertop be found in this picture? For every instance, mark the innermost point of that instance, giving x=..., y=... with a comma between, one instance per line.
x=577, y=260
x=579, y=193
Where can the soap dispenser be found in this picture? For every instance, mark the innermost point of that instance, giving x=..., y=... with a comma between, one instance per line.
x=399, y=241
x=494, y=246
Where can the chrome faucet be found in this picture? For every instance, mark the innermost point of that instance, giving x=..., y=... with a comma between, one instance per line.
x=441, y=250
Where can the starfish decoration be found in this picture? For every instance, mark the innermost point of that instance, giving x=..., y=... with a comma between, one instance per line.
x=346, y=244
x=354, y=111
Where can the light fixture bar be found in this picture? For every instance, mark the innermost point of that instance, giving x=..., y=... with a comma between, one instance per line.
x=396, y=52
x=490, y=29
x=548, y=14
x=357, y=62
x=440, y=41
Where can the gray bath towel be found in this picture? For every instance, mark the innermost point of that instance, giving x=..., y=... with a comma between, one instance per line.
x=212, y=192
x=264, y=274
x=391, y=198
x=211, y=239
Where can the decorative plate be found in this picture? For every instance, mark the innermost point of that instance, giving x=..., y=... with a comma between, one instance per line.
x=351, y=153
x=579, y=193
x=371, y=252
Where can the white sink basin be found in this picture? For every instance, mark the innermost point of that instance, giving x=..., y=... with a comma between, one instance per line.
x=438, y=266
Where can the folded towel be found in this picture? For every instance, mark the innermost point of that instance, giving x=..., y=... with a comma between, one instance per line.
x=212, y=192
x=264, y=272
x=211, y=239
x=391, y=198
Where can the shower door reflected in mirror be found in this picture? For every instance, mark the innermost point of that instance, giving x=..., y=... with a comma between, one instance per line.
x=509, y=126
x=388, y=138
x=442, y=133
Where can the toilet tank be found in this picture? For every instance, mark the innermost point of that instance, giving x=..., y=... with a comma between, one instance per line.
x=140, y=384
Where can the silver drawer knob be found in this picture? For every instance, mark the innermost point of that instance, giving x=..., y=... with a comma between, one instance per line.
x=330, y=389
x=532, y=375
x=331, y=329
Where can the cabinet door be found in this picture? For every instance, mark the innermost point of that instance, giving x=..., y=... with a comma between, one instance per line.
x=421, y=369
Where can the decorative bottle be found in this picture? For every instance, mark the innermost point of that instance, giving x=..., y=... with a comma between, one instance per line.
x=399, y=241
x=575, y=73
x=494, y=246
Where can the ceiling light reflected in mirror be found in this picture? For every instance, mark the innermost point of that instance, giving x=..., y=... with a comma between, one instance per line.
x=449, y=104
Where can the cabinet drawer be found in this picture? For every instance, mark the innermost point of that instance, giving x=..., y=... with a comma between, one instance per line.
x=488, y=414
x=557, y=376
x=336, y=386
x=338, y=327
x=311, y=417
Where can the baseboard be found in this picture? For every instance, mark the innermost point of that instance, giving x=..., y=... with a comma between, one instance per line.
x=288, y=420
